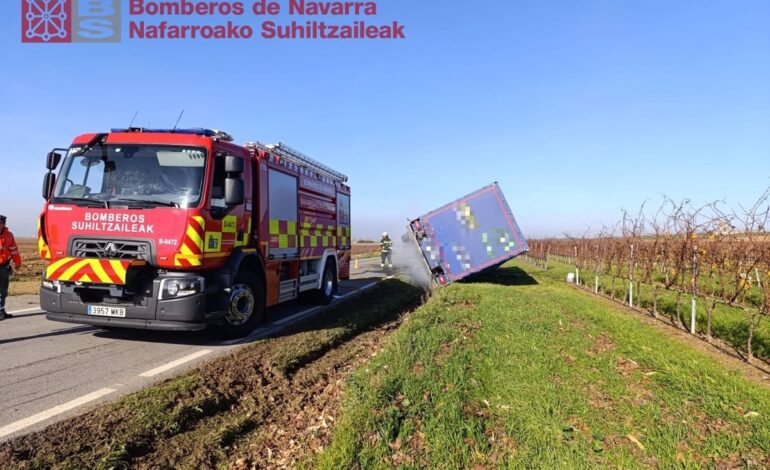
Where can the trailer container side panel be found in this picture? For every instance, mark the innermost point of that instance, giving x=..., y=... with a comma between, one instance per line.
x=471, y=234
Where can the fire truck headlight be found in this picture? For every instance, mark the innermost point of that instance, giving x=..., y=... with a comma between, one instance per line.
x=172, y=288
x=182, y=287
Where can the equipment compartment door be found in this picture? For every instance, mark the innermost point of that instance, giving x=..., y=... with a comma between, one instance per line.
x=282, y=213
x=344, y=240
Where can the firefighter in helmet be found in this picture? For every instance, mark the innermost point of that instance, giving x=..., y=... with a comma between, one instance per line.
x=386, y=247
x=8, y=252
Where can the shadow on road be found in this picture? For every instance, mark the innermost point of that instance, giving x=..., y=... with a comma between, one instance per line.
x=203, y=338
x=27, y=315
x=68, y=331
x=191, y=338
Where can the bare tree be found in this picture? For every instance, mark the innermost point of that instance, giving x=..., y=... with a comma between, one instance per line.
x=690, y=251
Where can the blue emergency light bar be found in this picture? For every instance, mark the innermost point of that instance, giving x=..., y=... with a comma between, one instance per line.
x=217, y=134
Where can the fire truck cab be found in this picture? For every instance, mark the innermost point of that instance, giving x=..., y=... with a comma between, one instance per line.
x=184, y=230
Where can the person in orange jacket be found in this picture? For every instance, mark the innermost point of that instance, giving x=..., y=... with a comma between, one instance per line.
x=8, y=252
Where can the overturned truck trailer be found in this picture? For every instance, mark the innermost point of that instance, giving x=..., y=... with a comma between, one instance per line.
x=473, y=234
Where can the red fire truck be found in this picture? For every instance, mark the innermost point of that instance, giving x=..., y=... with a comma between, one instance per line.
x=184, y=230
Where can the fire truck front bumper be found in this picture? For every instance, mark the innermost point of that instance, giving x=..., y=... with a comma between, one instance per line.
x=107, y=307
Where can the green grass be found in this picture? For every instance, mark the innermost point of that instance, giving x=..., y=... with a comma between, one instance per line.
x=718, y=283
x=729, y=324
x=505, y=372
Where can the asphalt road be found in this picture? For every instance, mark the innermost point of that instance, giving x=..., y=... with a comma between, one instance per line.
x=50, y=370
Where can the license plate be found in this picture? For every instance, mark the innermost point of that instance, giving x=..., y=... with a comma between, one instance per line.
x=101, y=311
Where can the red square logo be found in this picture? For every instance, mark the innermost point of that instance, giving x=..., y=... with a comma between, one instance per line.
x=46, y=21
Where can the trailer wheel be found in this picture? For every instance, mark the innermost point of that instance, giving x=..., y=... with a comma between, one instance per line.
x=325, y=294
x=245, y=307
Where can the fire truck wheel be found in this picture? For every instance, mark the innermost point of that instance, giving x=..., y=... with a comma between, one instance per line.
x=325, y=294
x=246, y=307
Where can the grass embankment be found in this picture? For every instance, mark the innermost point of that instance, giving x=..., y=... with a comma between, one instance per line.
x=234, y=409
x=729, y=324
x=522, y=372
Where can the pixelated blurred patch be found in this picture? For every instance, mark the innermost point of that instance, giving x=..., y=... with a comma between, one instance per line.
x=465, y=216
x=500, y=237
x=462, y=256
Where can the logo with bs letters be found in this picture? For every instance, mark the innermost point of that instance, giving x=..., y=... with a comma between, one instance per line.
x=62, y=21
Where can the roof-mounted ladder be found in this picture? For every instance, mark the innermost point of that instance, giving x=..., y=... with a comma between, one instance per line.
x=298, y=158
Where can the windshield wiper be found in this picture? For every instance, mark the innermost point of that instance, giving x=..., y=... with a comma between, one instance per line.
x=150, y=201
x=77, y=200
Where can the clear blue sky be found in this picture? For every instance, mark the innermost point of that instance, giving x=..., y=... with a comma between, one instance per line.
x=576, y=108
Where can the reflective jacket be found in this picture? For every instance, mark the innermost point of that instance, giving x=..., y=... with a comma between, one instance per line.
x=8, y=249
x=385, y=245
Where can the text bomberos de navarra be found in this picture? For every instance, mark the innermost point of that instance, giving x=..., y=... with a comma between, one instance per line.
x=277, y=20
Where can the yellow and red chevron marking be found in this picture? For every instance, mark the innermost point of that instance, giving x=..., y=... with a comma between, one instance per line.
x=42, y=246
x=191, y=250
x=88, y=270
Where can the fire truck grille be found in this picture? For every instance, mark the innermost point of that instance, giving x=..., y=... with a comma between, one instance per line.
x=114, y=249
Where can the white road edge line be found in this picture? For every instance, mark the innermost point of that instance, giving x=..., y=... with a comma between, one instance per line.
x=300, y=315
x=172, y=364
x=56, y=410
x=25, y=310
x=44, y=415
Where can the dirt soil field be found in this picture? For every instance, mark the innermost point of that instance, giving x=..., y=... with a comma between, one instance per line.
x=268, y=405
x=27, y=279
x=365, y=250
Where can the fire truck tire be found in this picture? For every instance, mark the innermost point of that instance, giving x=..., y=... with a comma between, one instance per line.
x=325, y=294
x=246, y=307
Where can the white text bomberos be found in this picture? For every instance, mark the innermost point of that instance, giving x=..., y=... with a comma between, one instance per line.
x=267, y=29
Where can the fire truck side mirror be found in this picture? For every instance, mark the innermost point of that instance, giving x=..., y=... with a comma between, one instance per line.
x=234, y=191
x=48, y=184
x=233, y=164
x=52, y=160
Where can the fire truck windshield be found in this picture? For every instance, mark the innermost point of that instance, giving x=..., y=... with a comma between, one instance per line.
x=139, y=175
